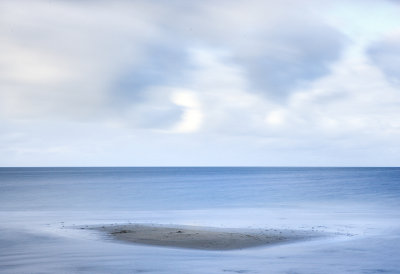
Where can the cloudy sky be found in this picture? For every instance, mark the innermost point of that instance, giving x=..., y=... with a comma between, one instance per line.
x=200, y=83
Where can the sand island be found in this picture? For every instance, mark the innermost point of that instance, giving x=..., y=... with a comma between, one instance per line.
x=205, y=238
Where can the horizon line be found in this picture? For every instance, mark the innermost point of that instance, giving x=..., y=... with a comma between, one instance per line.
x=199, y=166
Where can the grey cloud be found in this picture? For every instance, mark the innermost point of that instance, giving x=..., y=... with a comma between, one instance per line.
x=157, y=117
x=162, y=65
x=294, y=54
x=386, y=55
x=117, y=52
x=154, y=111
x=276, y=54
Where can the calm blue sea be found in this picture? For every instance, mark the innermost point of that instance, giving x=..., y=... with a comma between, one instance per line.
x=359, y=206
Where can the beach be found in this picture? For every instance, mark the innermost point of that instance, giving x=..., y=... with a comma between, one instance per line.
x=206, y=238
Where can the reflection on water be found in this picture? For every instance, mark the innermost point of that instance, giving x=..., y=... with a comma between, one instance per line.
x=38, y=207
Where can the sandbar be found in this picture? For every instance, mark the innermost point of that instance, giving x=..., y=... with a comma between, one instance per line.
x=205, y=238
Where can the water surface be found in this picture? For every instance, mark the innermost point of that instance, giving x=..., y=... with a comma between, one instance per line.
x=38, y=207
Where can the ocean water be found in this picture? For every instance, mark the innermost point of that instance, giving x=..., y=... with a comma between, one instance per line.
x=41, y=208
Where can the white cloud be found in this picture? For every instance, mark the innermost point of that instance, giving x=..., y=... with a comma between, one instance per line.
x=192, y=116
x=60, y=60
x=354, y=101
x=275, y=117
x=247, y=79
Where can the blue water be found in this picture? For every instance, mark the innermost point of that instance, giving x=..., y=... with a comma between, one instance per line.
x=38, y=207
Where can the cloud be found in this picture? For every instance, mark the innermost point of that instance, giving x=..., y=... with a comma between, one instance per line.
x=354, y=102
x=276, y=54
x=386, y=55
x=91, y=60
x=295, y=53
x=58, y=61
x=192, y=117
x=244, y=81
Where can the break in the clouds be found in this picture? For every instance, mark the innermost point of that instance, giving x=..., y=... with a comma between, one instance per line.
x=199, y=83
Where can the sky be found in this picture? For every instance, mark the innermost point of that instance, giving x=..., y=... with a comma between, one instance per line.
x=200, y=83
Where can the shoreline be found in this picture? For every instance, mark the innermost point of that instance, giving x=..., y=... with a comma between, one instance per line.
x=203, y=238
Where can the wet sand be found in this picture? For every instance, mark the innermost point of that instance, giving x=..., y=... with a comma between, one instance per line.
x=205, y=238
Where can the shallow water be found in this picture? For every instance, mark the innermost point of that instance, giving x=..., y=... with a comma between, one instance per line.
x=359, y=206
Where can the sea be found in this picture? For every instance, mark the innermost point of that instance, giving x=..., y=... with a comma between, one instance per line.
x=43, y=209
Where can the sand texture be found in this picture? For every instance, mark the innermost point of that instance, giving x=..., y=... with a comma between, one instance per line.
x=205, y=238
